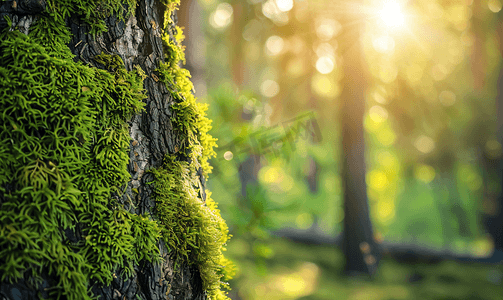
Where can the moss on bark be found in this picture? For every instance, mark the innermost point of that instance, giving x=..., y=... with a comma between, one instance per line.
x=64, y=152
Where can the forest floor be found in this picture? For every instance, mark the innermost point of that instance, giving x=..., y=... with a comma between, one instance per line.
x=290, y=270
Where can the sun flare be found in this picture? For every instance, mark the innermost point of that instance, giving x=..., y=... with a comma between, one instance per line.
x=392, y=15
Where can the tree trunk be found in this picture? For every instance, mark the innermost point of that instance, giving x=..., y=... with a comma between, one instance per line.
x=478, y=57
x=190, y=18
x=358, y=245
x=494, y=221
x=151, y=135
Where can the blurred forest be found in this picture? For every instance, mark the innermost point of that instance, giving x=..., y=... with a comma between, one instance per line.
x=359, y=143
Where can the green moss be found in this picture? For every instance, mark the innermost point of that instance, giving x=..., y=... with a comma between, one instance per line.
x=193, y=231
x=190, y=116
x=91, y=11
x=171, y=6
x=63, y=152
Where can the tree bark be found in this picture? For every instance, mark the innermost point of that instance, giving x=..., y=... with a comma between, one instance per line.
x=137, y=41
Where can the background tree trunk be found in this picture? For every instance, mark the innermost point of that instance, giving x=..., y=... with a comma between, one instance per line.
x=494, y=220
x=359, y=247
x=190, y=18
x=138, y=42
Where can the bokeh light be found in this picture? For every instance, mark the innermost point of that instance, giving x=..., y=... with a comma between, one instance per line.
x=325, y=64
x=424, y=144
x=274, y=45
x=228, y=155
x=327, y=29
x=378, y=114
x=447, y=98
x=222, y=16
x=325, y=49
x=325, y=86
x=424, y=173
x=377, y=179
x=269, y=88
x=493, y=149
x=494, y=5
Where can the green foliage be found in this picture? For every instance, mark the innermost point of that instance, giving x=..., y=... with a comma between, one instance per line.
x=193, y=231
x=63, y=152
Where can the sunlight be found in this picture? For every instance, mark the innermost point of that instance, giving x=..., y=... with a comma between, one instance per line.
x=284, y=5
x=392, y=15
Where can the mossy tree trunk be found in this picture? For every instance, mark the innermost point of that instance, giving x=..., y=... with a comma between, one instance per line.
x=154, y=133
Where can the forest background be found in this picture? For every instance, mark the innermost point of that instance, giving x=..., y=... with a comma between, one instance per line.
x=275, y=74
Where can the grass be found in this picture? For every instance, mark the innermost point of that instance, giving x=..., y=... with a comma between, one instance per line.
x=308, y=272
